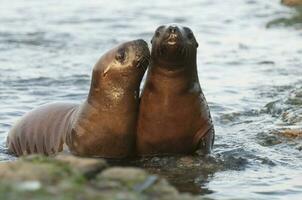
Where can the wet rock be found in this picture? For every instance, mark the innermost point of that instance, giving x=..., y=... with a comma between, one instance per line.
x=129, y=177
x=36, y=168
x=139, y=181
x=87, y=166
x=292, y=117
x=191, y=173
x=290, y=133
x=292, y=3
x=68, y=177
x=38, y=177
x=268, y=139
x=186, y=161
x=295, y=98
x=288, y=110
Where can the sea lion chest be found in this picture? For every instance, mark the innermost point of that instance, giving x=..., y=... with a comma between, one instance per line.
x=171, y=115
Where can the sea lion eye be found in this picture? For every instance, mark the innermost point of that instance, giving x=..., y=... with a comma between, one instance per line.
x=121, y=55
x=157, y=34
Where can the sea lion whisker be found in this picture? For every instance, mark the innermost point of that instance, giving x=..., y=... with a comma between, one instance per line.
x=146, y=57
x=143, y=62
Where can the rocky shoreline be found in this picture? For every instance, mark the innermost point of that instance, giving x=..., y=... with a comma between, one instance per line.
x=68, y=177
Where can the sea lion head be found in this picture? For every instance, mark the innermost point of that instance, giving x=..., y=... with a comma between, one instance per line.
x=173, y=44
x=122, y=66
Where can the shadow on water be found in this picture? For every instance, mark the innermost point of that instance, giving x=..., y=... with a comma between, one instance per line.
x=4, y=156
x=188, y=173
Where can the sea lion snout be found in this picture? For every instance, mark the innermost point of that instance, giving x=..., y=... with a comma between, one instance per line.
x=142, y=54
x=173, y=36
x=141, y=42
x=125, y=59
x=142, y=49
x=181, y=35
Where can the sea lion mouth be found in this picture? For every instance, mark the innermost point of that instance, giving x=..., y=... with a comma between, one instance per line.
x=171, y=45
x=173, y=36
x=172, y=39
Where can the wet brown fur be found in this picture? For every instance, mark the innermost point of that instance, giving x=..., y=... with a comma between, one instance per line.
x=104, y=125
x=174, y=117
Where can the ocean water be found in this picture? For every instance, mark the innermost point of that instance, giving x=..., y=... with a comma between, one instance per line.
x=249, y=64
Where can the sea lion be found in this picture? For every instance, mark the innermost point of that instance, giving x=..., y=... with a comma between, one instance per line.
x=174, y=117
x=104, y=125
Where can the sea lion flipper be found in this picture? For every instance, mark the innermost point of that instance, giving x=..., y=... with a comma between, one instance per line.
x=205, y=141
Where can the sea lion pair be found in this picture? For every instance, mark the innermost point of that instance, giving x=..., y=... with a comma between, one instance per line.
x=172, y=117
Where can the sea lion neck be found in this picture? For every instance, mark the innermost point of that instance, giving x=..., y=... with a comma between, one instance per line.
x=173, y=69
x=106, y=83
x=114, y=92
x=171, y=63
x=176, y=80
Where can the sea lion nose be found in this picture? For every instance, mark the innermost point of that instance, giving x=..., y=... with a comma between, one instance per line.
x=173, y=29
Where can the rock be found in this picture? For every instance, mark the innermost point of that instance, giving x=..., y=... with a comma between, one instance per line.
x=187, y=161
x=35, y=168
x=38, y=177
x=132, y=178
x=87, y=166
x=148, y=186
x=268, y=139
x=129, y=177
x=291, y=133
x=292, y=3
x=68, y=177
